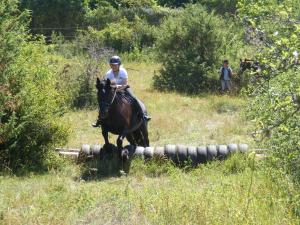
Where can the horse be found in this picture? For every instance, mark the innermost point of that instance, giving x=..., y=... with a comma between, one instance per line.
x=249, y=64
x=252, y=65
x=119, y=115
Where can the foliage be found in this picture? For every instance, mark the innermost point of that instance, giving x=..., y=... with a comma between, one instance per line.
x=275, y=107
x=220, y=6
x=60, y=15
x=174, y=3
x=191, y=50
x=124, y=35
x=150, y=15
x=30, y=103
x=101, y=17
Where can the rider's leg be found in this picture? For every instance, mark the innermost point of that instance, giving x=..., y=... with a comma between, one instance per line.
x=141, y=108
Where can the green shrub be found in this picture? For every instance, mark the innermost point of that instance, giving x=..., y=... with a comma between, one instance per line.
x=124, y=36
x=59, y=15
x=191, y=47
x=101, y=17
x=220, y=6
x=30, y=103
x=151, y=15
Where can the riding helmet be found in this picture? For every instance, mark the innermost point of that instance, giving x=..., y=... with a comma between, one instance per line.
x=115, y=60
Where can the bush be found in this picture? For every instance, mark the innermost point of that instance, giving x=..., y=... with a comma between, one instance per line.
x=60, y=15
x=101, y=17
x=191, y=48
x=151, y=15
x=124, y=36
x=30, y=103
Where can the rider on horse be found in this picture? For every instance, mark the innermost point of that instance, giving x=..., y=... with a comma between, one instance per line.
x=118, y=75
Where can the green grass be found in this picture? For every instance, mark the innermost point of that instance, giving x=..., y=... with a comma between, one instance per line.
x=152, y=193
x=222, y=192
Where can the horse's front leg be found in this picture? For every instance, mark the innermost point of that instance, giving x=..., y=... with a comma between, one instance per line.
x=123, y=153
x=105, y=136
x=120, y=141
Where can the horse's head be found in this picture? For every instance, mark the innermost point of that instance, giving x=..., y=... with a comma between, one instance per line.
x=105, y=96
x=249, y=64
x=244, y=65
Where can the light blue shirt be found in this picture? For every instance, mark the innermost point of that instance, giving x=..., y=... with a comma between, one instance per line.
x=226, y=73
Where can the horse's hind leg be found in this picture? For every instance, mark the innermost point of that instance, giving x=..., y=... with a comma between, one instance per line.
x=144, y=135
x=130, y=139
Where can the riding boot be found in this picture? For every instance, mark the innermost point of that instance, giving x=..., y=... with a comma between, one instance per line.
x=143, y=114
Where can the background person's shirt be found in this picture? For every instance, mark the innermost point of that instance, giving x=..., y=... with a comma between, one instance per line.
x=226, y=73
x=119, y=77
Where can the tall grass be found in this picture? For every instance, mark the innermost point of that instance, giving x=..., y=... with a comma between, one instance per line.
x=236, y=191
x=153, y=193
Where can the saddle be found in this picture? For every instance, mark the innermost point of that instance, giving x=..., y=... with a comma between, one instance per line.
x=122, y=92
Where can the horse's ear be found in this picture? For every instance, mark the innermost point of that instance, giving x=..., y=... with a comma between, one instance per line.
x=108, y=82
x=98, y=82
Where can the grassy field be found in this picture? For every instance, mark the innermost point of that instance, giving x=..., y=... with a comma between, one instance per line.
x=239, y=190
x=179, y=119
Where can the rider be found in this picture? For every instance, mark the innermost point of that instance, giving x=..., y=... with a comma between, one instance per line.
x=118, y=75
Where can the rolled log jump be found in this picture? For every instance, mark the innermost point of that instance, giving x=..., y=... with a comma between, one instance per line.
x=176, y=153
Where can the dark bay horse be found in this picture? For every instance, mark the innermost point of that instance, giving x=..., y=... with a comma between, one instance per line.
x=252, y=65
x=249, y=64
x=119, y=115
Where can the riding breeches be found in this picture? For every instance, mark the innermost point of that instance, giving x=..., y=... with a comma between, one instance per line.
x=140, y=104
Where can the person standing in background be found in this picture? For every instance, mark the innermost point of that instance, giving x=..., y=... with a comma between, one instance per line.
x=225, y=76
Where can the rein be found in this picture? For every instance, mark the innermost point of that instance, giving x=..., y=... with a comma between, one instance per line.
x=114, y=96
x=115, y=93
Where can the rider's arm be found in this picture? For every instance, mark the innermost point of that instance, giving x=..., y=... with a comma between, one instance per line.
x=125, y=81
x=124, y=76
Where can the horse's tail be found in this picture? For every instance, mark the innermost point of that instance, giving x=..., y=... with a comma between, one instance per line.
x=140, y=135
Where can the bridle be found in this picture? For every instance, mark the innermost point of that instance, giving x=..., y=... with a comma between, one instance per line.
x=113, y=98
x=107, y=105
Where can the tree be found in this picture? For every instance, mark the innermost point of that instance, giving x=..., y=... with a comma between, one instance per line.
x=275, y=106
x=29, y=102
x=62, y=16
